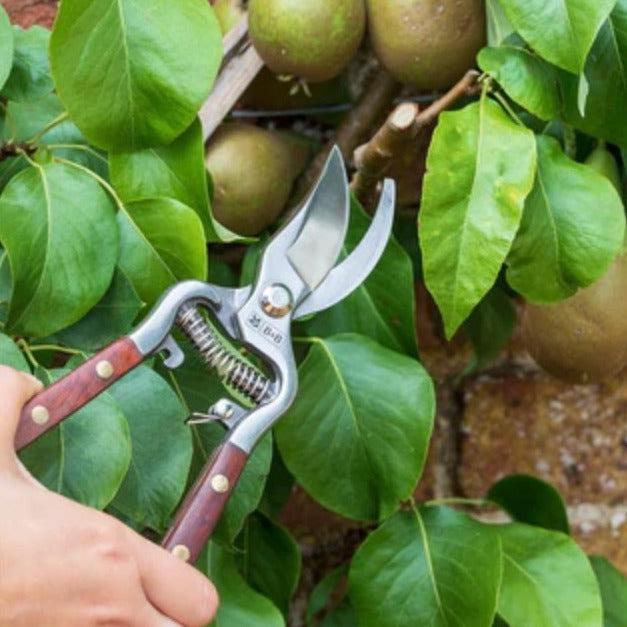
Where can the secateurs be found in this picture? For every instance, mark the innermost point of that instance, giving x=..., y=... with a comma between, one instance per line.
x=295, y=278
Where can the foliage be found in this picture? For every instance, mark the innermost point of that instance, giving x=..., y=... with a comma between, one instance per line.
x=105, y=202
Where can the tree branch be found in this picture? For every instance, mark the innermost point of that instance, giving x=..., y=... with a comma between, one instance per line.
x=397, y=133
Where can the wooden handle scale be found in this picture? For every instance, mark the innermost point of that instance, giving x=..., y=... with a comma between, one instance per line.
x=204, y=503
x=71, y=392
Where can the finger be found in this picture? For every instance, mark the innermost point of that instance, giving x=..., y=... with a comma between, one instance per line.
x=15, y=389
x=173, y=586
x=148, y=616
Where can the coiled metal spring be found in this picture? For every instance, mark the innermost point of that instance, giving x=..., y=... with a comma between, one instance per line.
x=233, y=370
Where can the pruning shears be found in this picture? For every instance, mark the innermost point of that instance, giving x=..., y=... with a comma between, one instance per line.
x=297, y=275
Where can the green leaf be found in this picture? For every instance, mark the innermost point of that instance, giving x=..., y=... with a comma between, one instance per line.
x=357, y=434
x=110, y=318
x=572, y=228
x=342, y=615
x=473, y=195
x=161, y=242
x=86, y=456
x=560, y=31
x=532, y=501
x=278, y=488
x=373, y=309
x=429, y=567
x=547, y=580
x=239, y=605
x=526, y=78
x=321, y=594
x=5, y=285
x=176, y=170
x=161, y=448
x=499, y=27
x=606, y=74
x=29, y=119
x=30, y=75
x=613, y=586
x=133, y=73
x=249, y=488
x=489, y=327
x=11, y=355
x=270, y=561
x=6, y=46
x=58, y=227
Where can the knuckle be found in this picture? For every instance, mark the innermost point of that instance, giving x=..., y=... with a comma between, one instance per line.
x=108, y=541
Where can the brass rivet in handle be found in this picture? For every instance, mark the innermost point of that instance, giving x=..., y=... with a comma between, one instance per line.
x=40, y=414
x=182, y=552
x=219, y=483
x=104, y=369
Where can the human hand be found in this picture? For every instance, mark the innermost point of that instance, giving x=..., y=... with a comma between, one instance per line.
x=63, y=564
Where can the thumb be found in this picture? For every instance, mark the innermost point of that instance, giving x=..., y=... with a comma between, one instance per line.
x=15, y=389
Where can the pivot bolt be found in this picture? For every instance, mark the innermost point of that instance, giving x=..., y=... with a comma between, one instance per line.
x=276, y=300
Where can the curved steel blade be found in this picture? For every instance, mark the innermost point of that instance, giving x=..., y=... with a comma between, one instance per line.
x=351, y=273
x=318, y=244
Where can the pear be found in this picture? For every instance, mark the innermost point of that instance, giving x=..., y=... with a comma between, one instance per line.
x=603, y=162
x=252, y=170
x=228, y=13
x=427, y=44
x=310, y=39
x=583, y=338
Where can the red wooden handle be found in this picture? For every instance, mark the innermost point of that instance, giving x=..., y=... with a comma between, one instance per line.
x=203, y=505
x=70, y=393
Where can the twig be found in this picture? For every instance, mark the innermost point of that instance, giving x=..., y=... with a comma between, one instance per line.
x=15, y=149
x=373, y=158
x=374, y=101
x=402, y=126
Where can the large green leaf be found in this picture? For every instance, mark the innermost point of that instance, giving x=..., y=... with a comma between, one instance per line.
x=357, y=434
x=613, y=586
x=270, y=560
x=161, y=448
x=472, y=204
x=561, y=31
x=111, y=317
x=161, y=242
x=5, y=285
x=321, y=594
x=489, y=327
x=58, y=227
x=30, y=75
x=86, y=456
x=606, y=73
x=572, y=228
x=176, y=170
x=239, y=605
x=6, y=46
x=375, y=309
x=530, y=500
x=547, y=580
x=432, y=567
x=527, y=79
x=133, y=73
x=11, y=355
x=249, y=488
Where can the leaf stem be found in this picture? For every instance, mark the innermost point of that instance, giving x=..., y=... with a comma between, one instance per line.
x=56, y=348
x=54, y=122
x=25, y=348
x=84, y=147
x=503, y=102
x=105, y=184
